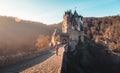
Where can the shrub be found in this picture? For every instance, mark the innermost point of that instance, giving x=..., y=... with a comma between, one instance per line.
x=42, y=41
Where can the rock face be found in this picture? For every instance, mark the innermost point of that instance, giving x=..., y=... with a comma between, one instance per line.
x=90, y=58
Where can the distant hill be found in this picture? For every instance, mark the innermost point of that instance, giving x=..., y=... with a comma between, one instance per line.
x=20, y=35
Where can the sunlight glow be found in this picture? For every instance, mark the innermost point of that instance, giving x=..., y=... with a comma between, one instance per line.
x=17, y=19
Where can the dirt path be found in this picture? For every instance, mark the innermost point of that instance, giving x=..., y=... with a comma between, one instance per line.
x=49, y=63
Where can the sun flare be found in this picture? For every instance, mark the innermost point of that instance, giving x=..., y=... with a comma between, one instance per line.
x=17, y=19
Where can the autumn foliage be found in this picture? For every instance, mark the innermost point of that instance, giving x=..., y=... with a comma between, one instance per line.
x=109, y=30
x=43, y=42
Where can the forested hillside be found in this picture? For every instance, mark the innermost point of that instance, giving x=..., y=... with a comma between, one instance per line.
x=108, y=30
x=17, y=37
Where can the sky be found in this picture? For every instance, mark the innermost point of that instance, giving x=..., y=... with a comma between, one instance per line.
x=52, y=11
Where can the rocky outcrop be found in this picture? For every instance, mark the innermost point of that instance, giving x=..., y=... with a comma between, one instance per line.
x=90, y=58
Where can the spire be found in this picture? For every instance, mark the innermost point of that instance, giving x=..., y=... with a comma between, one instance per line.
x=75, y=14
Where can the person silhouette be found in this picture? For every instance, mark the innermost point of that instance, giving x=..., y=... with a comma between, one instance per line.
x=56, y=49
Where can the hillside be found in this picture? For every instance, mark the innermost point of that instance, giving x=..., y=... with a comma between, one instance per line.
x=17, y=37
x=109, y=30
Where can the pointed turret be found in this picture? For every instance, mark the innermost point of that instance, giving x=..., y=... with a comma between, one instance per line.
x=75, y=14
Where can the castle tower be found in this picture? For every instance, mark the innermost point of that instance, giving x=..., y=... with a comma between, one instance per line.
x=64, y=26
x=67, y=21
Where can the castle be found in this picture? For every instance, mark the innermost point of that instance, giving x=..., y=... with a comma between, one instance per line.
x=72, y=21
x=72, y=27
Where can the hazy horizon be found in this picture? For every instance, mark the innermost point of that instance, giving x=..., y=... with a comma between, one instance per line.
x=51, y=11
